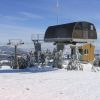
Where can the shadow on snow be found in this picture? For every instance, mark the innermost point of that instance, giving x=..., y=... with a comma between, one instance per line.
x=30, y=70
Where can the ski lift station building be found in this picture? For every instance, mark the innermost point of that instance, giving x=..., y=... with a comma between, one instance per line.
x=72, y=33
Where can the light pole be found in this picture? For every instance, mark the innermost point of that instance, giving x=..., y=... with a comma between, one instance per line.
x=15, y=43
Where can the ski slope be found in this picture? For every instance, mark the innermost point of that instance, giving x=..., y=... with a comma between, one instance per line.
x=50, y=85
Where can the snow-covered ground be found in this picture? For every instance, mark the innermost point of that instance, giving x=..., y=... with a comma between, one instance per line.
x=50, y=85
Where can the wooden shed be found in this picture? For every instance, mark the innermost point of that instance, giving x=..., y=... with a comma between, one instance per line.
x=77, y=32
x=87, y=52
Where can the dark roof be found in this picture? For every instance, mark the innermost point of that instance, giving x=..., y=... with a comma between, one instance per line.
x=76, y=31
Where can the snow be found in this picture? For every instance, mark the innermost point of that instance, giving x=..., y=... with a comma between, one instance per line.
x=58, y=84
x=65, y=63
x=87, y=67
x=4, y=61
x=5, y=67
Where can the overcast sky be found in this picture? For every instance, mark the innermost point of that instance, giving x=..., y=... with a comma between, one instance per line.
x=19, y=19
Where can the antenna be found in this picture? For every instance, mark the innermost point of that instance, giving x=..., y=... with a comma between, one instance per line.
x=57, y=6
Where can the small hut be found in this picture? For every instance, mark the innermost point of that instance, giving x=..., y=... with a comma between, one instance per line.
x=87, y=52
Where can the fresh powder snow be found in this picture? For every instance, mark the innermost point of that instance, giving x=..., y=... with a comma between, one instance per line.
x=55, y=84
